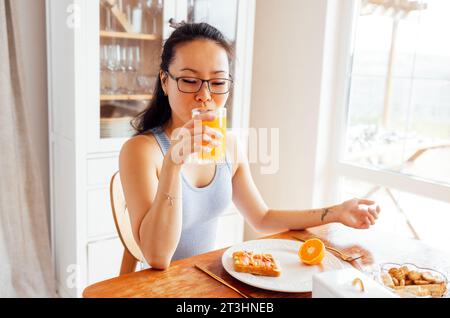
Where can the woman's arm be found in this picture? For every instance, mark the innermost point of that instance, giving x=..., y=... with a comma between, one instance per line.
x=154, y=202
x=248, y=200
x=352, y=213
x=156, y=218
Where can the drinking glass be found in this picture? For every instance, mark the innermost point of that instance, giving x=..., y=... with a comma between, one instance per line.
x=133, y=64
x=108, y=17
x=122, y=71
x=146, y=83
x=157, y=6
x=108, y=20
x=217, y=154
x=103, y=69
x=148, y=13
x=111, y=85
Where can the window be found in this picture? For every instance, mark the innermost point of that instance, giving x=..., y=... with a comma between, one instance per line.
x=406, y=214
x=397, y=133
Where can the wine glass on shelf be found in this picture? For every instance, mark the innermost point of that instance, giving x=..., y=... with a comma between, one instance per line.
x=128, y=13
x=107, y=73
x=105, y=83
x=122, y=70
x=136, y=16
x=156, y=9
x=137, y=66
x=111, y=85
x=103, y=69
x=108, y=20
x=133, y=63
x=146, y=83
x=148, y=13
x=108, y=15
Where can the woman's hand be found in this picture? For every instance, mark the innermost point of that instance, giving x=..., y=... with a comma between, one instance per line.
x=193, y=137
x=358, y=213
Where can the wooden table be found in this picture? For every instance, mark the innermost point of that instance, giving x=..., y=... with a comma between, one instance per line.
x=183, y=280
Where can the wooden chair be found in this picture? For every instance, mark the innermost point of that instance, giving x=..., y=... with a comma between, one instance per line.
x=132, y=253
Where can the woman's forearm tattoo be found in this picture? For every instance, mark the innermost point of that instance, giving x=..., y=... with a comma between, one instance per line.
x=324, y=213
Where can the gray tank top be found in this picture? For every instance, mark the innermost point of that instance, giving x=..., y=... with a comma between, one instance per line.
x=201, y=206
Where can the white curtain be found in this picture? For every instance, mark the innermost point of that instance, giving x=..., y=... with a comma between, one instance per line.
x=25, y=258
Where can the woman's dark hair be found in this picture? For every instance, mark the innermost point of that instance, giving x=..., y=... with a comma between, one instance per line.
x=158, y=111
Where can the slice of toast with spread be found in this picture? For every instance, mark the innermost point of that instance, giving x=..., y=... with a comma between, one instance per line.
x=257, y=264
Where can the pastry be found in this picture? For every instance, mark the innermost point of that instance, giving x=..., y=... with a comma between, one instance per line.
x=258, y=264
x=415, y=283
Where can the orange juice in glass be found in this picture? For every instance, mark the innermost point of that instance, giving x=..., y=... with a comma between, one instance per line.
x=217, y=154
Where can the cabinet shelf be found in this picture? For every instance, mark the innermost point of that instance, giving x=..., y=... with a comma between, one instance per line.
x=125, y=97
x=130, y=36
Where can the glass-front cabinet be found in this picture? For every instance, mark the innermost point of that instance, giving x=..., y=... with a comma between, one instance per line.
x=131, y=35
x=103, y=62
x=130, y=44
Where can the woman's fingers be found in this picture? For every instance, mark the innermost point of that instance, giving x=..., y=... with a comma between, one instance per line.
x=371, y=218
x=196, y=123
x=205, y=134
x=190, y=145
x=366, y=201
x=365, y=218
x=213, y=132
x=367, y=222
x=195, y=138
x=362, y=212
x=204, y=142
x=207, y=138
x=208, y=131
x=373, y=212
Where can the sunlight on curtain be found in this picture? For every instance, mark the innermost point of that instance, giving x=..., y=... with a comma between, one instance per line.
x=25, y=258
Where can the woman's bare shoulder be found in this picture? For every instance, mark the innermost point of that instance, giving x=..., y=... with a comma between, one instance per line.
x=141, y=148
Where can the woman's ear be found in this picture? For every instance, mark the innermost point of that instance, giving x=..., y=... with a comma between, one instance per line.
x=163, y=78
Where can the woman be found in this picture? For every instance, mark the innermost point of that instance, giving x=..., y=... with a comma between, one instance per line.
x=174, y=205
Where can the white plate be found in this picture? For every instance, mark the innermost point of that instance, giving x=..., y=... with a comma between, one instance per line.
x=295, y=277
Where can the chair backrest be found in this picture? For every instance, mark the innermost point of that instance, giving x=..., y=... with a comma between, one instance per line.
x=122, y=218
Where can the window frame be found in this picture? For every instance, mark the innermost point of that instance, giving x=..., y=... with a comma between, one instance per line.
x=347, y=14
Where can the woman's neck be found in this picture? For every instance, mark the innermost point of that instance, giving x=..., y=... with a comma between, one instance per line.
x=171, y=125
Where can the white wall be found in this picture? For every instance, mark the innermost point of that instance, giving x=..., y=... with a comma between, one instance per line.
x=33, y=42
x=287, y=93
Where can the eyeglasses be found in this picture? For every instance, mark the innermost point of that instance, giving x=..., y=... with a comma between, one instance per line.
x=194, y=84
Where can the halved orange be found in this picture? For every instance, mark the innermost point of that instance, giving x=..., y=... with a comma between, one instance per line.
x=312, y=252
